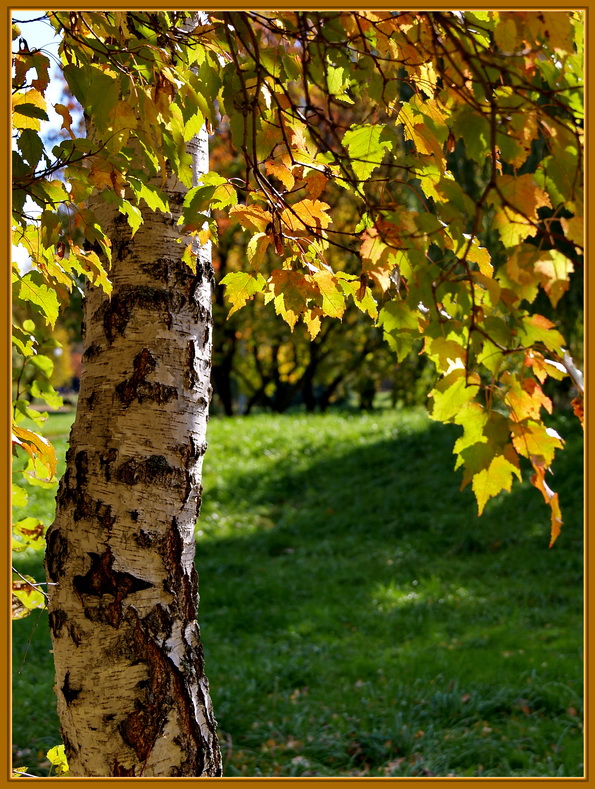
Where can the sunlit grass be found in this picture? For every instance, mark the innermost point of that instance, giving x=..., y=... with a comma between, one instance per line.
x=360, y=619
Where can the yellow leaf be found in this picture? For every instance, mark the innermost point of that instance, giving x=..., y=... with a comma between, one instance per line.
x=38, y=447
x=62, y=110
x=306, y=216
x=496, y=477
x=252, y=217
x=554, y=269
x=333, y=300
x=312, y=320
x=281, y=172
x=505, y=35
x=241, y=286
x=257, y=247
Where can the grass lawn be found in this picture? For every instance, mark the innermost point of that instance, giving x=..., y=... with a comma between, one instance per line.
x=358, y=617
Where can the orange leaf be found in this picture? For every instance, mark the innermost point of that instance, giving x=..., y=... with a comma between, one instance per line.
x=578, y=406
x=315, y=183
x=550, y=498
x=38, y=447
x=535, y=441
x=252, y=217
x=281, y=172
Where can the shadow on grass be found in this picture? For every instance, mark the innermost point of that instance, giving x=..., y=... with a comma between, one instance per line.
x=372, y=583
x=359, y=618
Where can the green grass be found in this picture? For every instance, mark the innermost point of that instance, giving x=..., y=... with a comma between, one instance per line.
x=359, y=618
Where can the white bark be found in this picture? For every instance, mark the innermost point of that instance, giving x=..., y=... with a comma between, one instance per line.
x=133, y=699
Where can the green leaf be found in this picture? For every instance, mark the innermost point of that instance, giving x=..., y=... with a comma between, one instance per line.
x=366, y=148
x=31, y=146
x=452, y=393
x=241, y=286
x=43, y=298
x=45, y=391
x=153, y=197
x=132, y=214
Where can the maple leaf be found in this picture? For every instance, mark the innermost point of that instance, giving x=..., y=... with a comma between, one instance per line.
x=495, y=477
x=280, y=171
x=38, y=448
x=533, y=440
x=366, y=145
x=451, y=393
x=523, y=194
x=554, y=270
x=312, y=320
x=306, y=215
x=525, y=397
x=256, y=249
x=252, y=217
x=315, y=184
x=241, y=286
x=333, y=300
x=290, y=291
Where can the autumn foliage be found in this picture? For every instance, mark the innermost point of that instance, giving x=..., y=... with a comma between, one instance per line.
x=374, y=108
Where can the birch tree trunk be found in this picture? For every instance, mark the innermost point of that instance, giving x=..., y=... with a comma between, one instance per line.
x=133, y=698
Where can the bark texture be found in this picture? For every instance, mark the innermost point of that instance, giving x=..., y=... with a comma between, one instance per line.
x=133, y=698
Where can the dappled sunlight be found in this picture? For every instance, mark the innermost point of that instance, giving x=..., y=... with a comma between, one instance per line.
x=347, y=602
x=385, y=597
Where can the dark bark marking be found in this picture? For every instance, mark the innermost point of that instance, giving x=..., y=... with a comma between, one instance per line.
x=56, y=555
x=190, y=375
x=106, y=460
x=69, y=746
x=137, y=388
x=81, y=464
x=144, y=363
x=104, y=515
x=116, y=313
x=102, y=579
x=70, y=694
x=143, y=539
x=140, y=728
x=91, y=401
x=155, y=392
x=57, y=619
x=198, y=501
x=184, y=589
x=119, y=771
x=167, y=694
x=134, y=515
x=159, y=622
x=155, y=470
x=91, y=353
x=75, y=633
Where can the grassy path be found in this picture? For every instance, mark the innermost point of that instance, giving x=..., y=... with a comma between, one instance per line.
x=358, y=618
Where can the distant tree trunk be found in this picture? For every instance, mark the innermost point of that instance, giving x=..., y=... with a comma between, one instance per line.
x=133, y=698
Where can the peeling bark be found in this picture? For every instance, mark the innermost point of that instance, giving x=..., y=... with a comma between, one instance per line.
x=133, y=698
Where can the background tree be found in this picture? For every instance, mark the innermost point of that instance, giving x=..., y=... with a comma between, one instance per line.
x=420, y=255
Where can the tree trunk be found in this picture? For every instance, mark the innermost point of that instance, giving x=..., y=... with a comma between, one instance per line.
x=133, y=699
